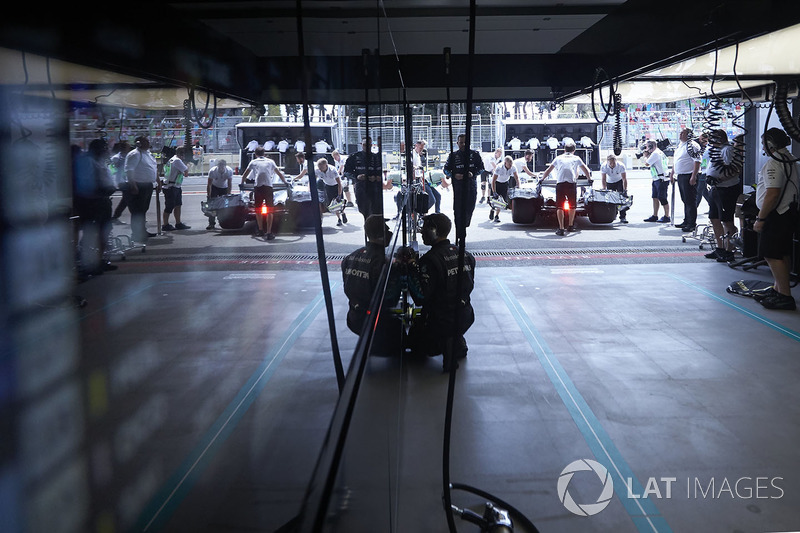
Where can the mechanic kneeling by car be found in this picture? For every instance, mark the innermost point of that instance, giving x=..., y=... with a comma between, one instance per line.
x=447, y=314
x=361, y=271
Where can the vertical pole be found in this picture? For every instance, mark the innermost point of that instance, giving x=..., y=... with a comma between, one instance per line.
x=312, y=186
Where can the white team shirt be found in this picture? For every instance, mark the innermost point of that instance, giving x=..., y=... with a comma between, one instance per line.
x=613, y=175
x=177, y=170
x=683, y=161
x=220, y=179
x=299, y=146
x=515, y=144
x=504, y=174
x=657, y=168
x=269, y=145
x=566, y=167
x=283, y=145
x=252, y=145
x=329, y=177
x=263, y=170
x=141, y=167
x=321, y=147
x=773, y=176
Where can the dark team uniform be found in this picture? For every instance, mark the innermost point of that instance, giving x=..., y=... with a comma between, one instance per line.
x=465, y=191
x=443, y=314
x=360, y=272
x=369, y=190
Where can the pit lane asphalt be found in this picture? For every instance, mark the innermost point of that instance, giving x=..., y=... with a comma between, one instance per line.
x=503, y=243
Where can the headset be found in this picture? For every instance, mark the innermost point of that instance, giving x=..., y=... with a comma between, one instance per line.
x=776, y=139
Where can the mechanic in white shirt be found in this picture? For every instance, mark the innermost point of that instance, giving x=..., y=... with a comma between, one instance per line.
x=490, y=163
x=338, y=161
x=776, y=197
x=615, y=178
x=657, y=163
x=333, y=186
x=566, y=167
x=500, y=180
x=141, y=170
x=220, y=181
x=686, y=165
x=263, y=170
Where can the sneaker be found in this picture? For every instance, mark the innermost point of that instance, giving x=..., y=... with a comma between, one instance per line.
x=210, y=226
x=497, y=218
x=724, y=256
x=270, y=236
x=481, y=200
x=344, y=218
x=259, y=233
x=181, y=225
x=167, y=227
x=688, y=229
x=571, y=229
x=779, y=301
x=350, y=204
x=491, y=215
x=560, y=232
x=665, y=218
x=713, y=254
x=651, y=219
x=761, y=294
x=150, y=234
x=338, y=222
x=623, y=221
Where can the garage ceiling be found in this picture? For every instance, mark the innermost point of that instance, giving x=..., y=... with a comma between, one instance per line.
x=247, y=51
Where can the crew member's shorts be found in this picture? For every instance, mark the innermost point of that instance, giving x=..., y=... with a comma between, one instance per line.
x=331, y=192
x=172, y=199
x=566, y=191
x=501, y=188
x=775, y=239
x=485, y=175
x=660, y=188
x=723, y=203
x=263, y=195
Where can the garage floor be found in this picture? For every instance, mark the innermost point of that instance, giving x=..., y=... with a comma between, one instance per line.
x=220, y=394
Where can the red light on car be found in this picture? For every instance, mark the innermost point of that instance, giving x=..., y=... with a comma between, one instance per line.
x=263, y=210
x=566, y=205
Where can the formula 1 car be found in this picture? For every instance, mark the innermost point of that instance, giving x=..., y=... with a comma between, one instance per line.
x=537, y=197
x=292, y=209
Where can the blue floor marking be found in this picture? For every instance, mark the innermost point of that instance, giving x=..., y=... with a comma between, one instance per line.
x=759, y=318
x=643, y=512
x=163, y=504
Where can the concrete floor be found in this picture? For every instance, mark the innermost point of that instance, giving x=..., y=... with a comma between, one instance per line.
x=207, y=361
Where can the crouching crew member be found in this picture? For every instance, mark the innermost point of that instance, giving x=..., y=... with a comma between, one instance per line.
x=361, y=271
x=446, y=314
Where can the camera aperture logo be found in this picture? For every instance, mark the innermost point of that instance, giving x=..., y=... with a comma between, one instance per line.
x=585, y=509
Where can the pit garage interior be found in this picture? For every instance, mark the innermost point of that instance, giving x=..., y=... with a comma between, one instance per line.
x=210, y=384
